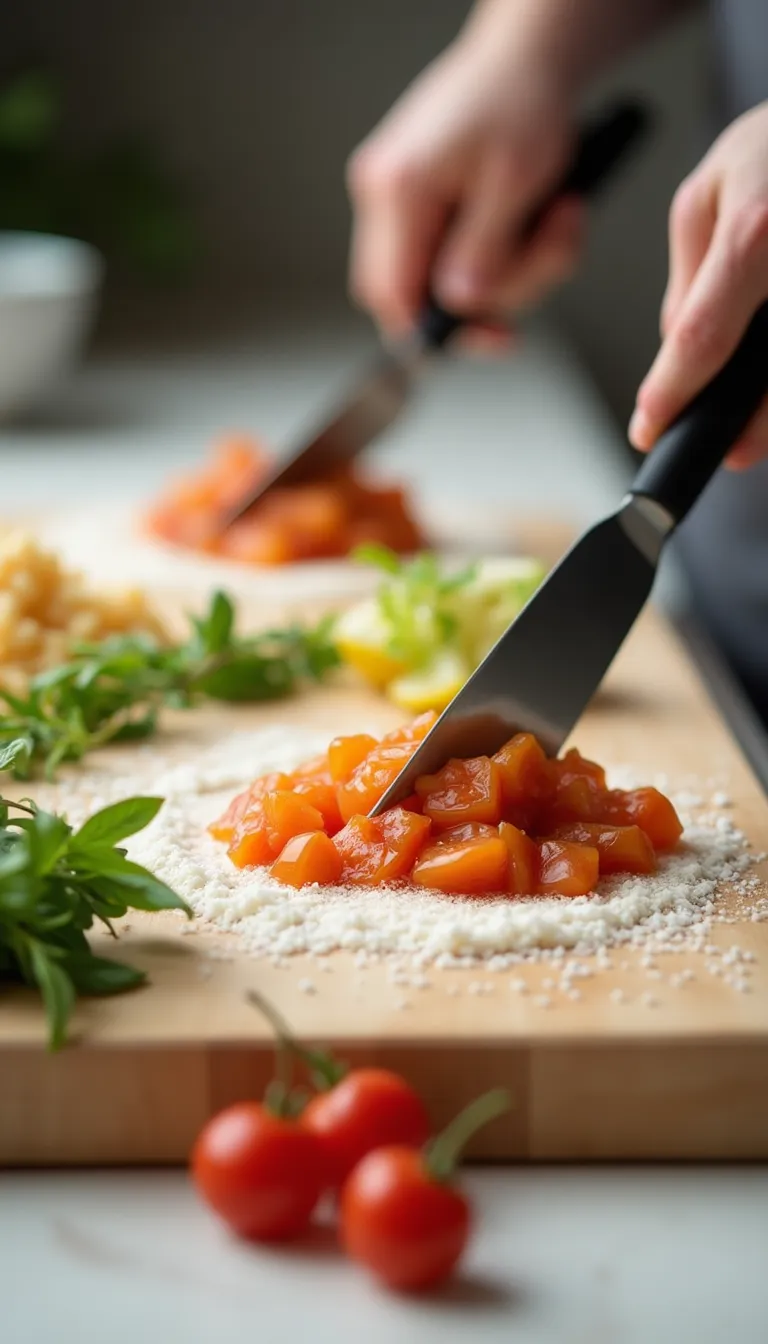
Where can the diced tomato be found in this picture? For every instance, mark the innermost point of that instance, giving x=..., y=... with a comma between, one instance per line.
x=250, y=846
x=468, y=830
x=370, y=780
x=527, y=776
x=648, y=809
x=323, y=797
x=464, y=790
x=287, y=814
x=226, y=825
x=308, y=858
x=258, y=542
x=622, y=849
x=523, y=861
x=576, y=799
x=381, y=849
x=317, y=769
x=474, y=866
x=575, y=766
x=412, y=803
x=346, y=753
x=566, y=869
x=415, y=731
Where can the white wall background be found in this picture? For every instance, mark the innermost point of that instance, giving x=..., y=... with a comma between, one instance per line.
x=257, y=103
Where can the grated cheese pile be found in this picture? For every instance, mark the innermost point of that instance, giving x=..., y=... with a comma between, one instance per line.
x=275, y=921
x=45, y=609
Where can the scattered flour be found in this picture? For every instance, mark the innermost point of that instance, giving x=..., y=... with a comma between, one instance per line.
x=669, y=910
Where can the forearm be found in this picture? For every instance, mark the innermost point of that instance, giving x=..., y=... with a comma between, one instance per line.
x=572, y=40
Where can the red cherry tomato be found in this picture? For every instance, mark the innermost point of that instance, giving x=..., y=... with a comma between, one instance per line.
x=261, y=1174
x=396, y=1219
x=368, y=1109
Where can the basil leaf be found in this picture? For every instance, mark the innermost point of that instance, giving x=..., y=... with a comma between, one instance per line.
x=99, y=975
x=247, y=679
x=18, y=750
x=116, y=822
x=57, y=991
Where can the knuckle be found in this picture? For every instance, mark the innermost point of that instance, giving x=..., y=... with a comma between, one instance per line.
x=749, y=230
x=700, y=339
x=686, y=203
x=373, y=173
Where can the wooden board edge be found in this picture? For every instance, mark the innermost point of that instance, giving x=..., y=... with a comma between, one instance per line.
x=571, y=1101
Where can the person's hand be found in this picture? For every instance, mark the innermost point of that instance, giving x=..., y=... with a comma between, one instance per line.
x=718, y=277
x=442, y=187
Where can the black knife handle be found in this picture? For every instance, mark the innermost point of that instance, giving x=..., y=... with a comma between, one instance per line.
x=601, y=144
x=687, y=455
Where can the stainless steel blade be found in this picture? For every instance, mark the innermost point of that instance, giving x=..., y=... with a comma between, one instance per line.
x=374, y=404
x=545, y=669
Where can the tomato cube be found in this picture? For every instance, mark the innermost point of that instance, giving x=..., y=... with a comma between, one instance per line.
x=622, y=849
x=475, y=866
x=464, y=790
x=380, y=849
x=566, y=869
x=522, y=859
x=287, y=814
x=346, y=753
x=308, y=858
x=648, y=809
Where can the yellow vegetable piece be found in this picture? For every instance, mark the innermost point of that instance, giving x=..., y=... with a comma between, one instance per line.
x=433, y=686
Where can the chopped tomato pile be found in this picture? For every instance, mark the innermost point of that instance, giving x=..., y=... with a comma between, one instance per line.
x=516, y=823
x=301, y=522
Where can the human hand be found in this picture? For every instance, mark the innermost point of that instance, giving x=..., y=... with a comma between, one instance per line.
x=718, y=277
x=442, y=187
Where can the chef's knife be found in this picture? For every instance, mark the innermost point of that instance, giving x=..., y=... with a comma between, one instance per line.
x=378, y=398
x=544, y=670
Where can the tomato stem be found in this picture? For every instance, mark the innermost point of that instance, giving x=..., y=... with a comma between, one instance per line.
x=443, y=1154
x=324, y=1071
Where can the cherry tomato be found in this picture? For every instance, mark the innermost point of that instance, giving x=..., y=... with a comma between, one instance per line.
x=396, y=1219
x=261, y=1174
x=368, y=1109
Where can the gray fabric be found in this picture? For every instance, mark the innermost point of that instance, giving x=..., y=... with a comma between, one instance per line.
x=724, y=542
x=741, y=49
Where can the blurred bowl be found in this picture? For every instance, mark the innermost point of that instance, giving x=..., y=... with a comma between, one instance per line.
x=49, y=288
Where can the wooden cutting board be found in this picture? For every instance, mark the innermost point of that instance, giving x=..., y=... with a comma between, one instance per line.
x=593, y=1078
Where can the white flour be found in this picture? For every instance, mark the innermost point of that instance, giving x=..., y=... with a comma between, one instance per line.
x=672, y=907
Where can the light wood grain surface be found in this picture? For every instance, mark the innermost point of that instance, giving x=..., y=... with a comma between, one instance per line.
x=685, y=1078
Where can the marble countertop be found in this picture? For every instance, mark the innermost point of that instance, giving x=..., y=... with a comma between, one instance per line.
x=565, y=1255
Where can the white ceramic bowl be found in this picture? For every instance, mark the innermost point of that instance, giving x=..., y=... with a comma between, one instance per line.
x=48, y=292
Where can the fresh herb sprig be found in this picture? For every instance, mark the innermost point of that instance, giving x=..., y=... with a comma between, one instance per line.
x=113, y=691
x=54, y=883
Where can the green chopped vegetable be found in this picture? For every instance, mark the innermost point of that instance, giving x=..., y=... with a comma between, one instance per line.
x=428, y=626
x=54, y=883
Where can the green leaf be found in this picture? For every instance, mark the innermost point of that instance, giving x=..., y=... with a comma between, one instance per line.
x=136, y=887
x=116, y=822
x=381, y=557
x=47, y=838
x=18, y=750
x=100, y=975
x=218, y=626
x=247, y=679
x=57, y=991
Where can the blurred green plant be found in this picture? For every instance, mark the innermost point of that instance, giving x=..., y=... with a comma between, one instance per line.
x=119, y=198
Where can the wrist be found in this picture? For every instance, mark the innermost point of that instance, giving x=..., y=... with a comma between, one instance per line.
x=547, y=39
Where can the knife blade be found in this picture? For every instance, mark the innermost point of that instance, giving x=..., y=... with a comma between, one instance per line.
x=378, y=398
x=544, y=670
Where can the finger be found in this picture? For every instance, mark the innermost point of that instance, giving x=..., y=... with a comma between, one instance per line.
x=477, y=248
x=730, y=283
x=550, y=258
x=692, y=219
x=399, y=217
x=753, y=444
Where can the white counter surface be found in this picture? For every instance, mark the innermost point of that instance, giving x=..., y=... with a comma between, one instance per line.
x=563, y=1255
